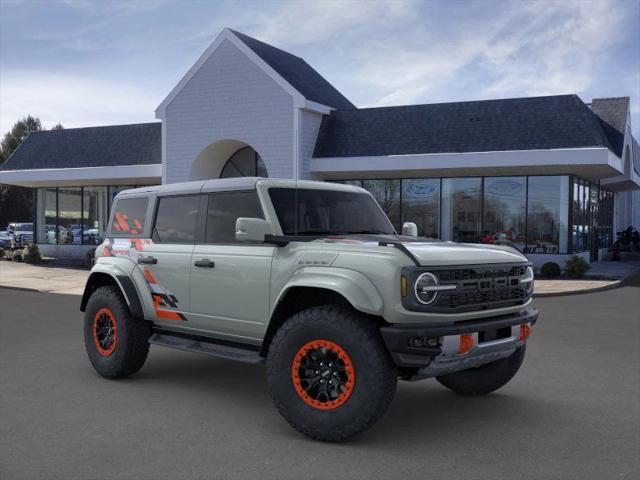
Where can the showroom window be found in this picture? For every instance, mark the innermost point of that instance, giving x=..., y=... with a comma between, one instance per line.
x=47, y=216
x=547, y=216
x=421, y=205
x=461, y=209
x=69, y=216
x=505, y=211
x=387, y=194
x=74, y=215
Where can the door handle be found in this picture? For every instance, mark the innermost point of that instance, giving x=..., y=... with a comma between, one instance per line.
x=149, y=259
x=205, y=262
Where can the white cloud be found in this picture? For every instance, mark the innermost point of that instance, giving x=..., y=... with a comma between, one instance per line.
x=73, y=101
x=296, y=22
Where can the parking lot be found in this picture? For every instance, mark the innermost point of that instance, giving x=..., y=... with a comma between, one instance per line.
x=573, y=411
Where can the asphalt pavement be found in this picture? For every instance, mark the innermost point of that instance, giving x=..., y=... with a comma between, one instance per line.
x=573, y=410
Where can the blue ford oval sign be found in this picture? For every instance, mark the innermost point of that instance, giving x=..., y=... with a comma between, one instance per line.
x=505, y=187
x=423, y=189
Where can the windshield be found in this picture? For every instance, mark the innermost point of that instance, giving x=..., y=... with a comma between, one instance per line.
x=23, y=227
x=322, y=212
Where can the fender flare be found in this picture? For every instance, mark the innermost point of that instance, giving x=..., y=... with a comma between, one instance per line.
x=124, y=283
x=359, y=291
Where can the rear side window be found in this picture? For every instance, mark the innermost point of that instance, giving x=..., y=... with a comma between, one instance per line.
x=224, y=210
x=176, y=219
x=129, y=216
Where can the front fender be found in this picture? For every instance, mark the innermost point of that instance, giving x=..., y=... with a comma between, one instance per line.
x=352, y=285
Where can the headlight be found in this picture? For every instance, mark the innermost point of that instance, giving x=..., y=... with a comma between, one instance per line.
x=426, y=288
x=527, y=280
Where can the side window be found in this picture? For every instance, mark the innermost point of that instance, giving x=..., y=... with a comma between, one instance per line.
x=129, y=216
x=176, y=219
x=224, y=209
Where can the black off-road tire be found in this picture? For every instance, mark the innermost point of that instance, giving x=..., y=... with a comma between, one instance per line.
x=131, y=347
x=375, y=375
x=487, y=378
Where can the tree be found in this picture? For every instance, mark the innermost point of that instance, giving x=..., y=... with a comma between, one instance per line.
x=16, y=203
x=18, y=133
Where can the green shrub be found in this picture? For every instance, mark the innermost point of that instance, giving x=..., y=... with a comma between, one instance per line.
x=89, y=257
x=1, y=253
x=32, y=254
x=17, y=256
x=576, y=267
x=550, y=270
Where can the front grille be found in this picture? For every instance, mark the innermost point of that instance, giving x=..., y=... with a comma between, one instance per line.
x=477, y=288
x=481, y=288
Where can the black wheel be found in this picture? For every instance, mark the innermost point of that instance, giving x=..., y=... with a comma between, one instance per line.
x=487, y=378
x=329, y=372
x=116, y=343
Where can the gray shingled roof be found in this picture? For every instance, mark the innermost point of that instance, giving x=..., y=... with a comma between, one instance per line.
x=115, y=145
x=612, y=113
x=298, y=73
x=532, y=123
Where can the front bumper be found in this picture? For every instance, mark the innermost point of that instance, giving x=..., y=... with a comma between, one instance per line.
x=433, y=350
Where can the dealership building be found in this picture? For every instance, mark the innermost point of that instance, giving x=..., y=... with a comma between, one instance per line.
x=552, y=176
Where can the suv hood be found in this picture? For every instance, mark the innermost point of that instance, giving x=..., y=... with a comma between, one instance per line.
x=436, y=252
x=450, y=253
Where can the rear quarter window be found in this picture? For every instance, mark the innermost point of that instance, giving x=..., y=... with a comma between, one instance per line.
x=129, y=216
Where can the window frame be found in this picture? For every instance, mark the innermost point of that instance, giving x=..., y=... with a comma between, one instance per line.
x=202, y=240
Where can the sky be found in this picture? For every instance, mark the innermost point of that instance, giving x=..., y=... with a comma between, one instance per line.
x=85, y=63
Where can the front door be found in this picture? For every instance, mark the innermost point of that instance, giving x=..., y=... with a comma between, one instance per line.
x=166, y=262
x=230, y=280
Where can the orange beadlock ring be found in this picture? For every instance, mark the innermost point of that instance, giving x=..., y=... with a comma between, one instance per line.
x=105, y=336
x=349, y=372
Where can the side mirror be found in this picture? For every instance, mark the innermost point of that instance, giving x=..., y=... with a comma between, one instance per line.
x=409, y=229
x=252, y=229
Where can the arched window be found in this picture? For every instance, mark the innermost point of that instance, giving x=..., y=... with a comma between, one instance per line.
x=244, y=163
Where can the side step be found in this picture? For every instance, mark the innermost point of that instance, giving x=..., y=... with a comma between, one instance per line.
x=208, y=348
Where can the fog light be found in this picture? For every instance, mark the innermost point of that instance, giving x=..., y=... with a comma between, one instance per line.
x=525, y=331
x=466, y=344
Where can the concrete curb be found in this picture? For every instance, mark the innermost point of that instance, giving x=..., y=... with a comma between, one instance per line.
x=617, y=284
x=25, y=289
x=29, y=289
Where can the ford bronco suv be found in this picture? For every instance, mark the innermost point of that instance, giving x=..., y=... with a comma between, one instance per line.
x=312, y=279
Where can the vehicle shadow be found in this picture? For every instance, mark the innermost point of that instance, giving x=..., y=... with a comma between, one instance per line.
x=422, y=412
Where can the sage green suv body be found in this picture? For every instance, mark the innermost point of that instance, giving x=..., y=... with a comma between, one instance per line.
x=254, y=269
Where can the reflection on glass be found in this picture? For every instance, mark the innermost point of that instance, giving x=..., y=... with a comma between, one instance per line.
x=69, y=216
x=548, y=214
x=461, y=209
x=421, y=205
x=244, y=163
x=46, y=216
x=505, y=213
x=94, y=215
x=387, y=194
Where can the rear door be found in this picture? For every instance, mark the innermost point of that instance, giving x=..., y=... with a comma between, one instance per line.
x=230, y=280
x=166, y=262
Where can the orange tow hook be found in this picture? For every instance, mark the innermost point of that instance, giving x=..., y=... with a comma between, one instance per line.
x=525, y=331
x=466, y=344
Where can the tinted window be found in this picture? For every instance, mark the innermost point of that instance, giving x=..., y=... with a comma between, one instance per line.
x=129, y=215
x=330, y=212
x=176, y=219
x=224, y=209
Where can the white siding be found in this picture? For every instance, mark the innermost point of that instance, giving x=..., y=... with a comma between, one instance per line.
x=309, y=126
x=229, y=97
